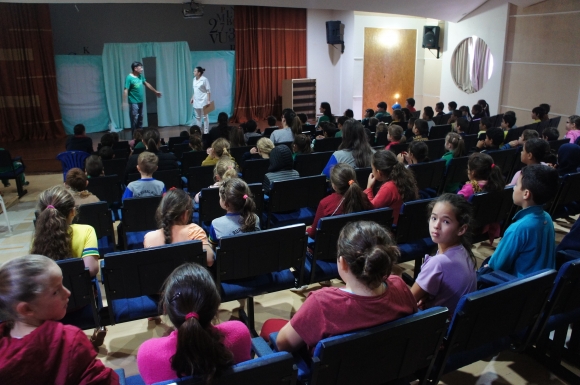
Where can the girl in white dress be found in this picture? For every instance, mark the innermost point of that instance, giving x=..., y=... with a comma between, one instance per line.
x=201, y=97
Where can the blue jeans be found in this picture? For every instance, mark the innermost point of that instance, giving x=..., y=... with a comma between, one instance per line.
x=136, y=114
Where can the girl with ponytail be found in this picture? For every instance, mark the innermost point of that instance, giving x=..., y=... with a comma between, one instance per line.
x=56, y=237
x=347, y=197
x=399, y=183
x=174, y=219
x=237, y=199
x=365, y=255
x=224, y=169
x=196, y=347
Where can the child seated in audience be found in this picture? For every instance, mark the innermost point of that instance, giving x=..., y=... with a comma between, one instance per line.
x=381, y=111
x=535, y=151
x=528, y=244
x=538, y=114
x=174, y=219
x=94, y=167
x=399, y=183
x=455, y=146
x=339, y=123
x=568, y=159
x=106, y=140
x=250, y=129
x=224, y=169
x=427, y=116
x=237, y=137
x=451, y=106
x=55, y=235
x=409, y=132
x=573, y=128
x=455, y=116
x=466, y=113
x=439, y=109
x=272, y=126
x=493, y=139
x=477, y=112
x=348, y=197
x=418, y=153
x=33, y=344
x=262, y=150
x=328, y=130
x=219, y=148
x=280, y=169
x=195, y=143
x=394, y=135
x=507, y=125
x=137, y=142
x=191, y=300
x=77, y=182
x=373, y=122
x=550, y=134
x=369, y=113
x=146, y=186
x=484, y=126
x=450, y=273
x=195, y=129
x=484, y=107
x=301, y=145
x=398, y=118
x=236, y=198
x=371, y=296
x=462, y=126
x=526, y=135
x=106, y=153
x=420, y=130
x=484, y=176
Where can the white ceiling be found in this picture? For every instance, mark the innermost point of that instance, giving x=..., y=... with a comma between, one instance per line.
x=448, y=10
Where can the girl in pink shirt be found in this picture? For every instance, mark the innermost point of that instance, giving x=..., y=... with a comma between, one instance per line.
x=191, y=301
x=399, y=183
x=573, y=128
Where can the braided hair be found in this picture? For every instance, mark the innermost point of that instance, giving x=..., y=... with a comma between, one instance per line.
x=170, y=211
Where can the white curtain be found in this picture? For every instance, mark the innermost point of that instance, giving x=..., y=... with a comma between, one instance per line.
x=471, y=65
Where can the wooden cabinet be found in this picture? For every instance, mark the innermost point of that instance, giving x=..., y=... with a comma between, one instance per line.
x=300, y=95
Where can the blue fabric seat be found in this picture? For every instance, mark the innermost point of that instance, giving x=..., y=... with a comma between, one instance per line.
x=397, y=350
x=72, y=159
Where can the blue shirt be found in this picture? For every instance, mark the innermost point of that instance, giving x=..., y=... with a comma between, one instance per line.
x=229, y=224
x=144, y=187
x=528, y=245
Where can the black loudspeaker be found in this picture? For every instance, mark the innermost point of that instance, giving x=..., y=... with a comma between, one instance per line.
x=431, y=37
x=334, y=32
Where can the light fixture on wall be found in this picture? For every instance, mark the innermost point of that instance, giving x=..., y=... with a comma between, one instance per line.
x=390, y=38
x=195, y=10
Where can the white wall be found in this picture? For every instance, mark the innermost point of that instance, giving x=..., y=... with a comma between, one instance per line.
x=488, y=22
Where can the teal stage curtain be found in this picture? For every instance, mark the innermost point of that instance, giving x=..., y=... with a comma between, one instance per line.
x=174, y=79
x=81, y=92
x=220, y=72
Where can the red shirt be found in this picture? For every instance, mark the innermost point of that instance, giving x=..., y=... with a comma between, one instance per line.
x=331, y=311
x=328, y=206
x=52, y=354
x=387, y=196
x=391, y=144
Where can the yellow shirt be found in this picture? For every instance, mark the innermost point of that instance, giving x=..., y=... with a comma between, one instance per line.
x=84, y=241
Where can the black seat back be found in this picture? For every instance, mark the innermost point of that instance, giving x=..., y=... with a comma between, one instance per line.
x=382, y=354
x=98, y=216
x=238, y=153
x=556, y=144
x=175, y=140
x=436, y=148
x=429, y=174
x=491, y=207
x=470, y=141
x=249, y=255
x=255, y=169
x=253, y=140
x=440, y=131
x=413, y=224
x=106, y=188
x=473, y=127
x=199, y=178
x=138, y=214
x=76, y=278
x=180, y=148
x=362, y=176
x=136, y=273
x=567, y=192
x=399, y=147
x=311, y=164
x=293, y=194
x=456, y=172
x=115, y=166
x=191, y=159
x=327, y=144
x=505, y=159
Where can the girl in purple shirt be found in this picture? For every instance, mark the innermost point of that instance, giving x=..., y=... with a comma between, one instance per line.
x=450, y=273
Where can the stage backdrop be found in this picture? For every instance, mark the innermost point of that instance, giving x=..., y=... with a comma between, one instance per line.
x=83, y=97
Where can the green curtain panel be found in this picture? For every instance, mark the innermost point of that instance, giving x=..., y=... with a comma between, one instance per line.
x=81, y=92
x=174, y=78
x=220, y=72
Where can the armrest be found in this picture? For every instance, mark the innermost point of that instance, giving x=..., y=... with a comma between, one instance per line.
x=121, y=373
x=261, y=347
x=495, y=278
x=273, y=337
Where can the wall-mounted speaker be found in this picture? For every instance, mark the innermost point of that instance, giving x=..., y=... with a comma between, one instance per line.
x=334, y=32
x=431, y=37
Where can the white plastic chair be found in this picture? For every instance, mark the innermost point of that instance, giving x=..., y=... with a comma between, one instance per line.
x=5, y=214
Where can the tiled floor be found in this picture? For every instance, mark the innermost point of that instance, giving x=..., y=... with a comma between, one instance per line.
x=123, y=340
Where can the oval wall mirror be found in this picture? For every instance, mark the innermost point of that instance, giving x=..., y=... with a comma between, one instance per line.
x=471, y=64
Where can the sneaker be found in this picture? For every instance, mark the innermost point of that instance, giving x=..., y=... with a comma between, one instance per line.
x=98, y=337
x=300, y=289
